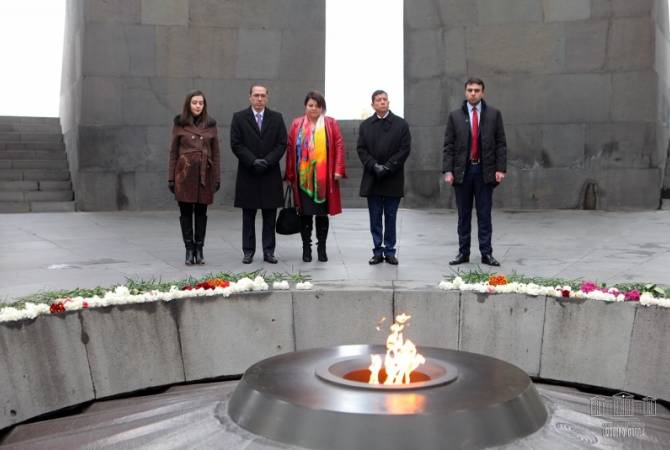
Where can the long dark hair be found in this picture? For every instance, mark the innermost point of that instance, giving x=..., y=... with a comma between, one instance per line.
x=186, y=117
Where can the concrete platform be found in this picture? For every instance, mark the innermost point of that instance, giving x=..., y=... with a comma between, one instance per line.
x=67, y=250
x=196, y=417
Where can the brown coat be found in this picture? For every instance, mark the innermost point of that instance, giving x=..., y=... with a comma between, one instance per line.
x=194, y=162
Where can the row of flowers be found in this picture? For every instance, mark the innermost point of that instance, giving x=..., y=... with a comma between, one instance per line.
x=121, y=295
x=498, y=284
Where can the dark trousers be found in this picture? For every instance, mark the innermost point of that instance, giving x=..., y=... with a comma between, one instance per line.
x=473, y=187
x=189, y=209
x=249, y=230
x=383, y=209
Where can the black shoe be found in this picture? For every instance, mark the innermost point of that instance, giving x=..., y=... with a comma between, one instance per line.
x=376, y=259
x=307, y=254
x=321, y=252
x=190, y=255
x=391, y=259
x=198, y=257
x=490, y=260
x=459, y=259
x=270, y=258
x=248, y=257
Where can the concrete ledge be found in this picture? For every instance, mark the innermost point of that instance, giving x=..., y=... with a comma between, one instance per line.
x=57, y=361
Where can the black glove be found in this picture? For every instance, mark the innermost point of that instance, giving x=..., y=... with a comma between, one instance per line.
x=380, y=170
x=171, y=186
x=260, y=165
x=217, y=186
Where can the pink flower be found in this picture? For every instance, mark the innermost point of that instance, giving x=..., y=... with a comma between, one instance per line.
x=632, y=296
x=588, y=286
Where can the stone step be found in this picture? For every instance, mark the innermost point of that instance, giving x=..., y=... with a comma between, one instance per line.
x=52, y=206
x=24, y=207
x=34, y=174
x=56, y=154
x=35, y=186
x=24, y=185
x=4, y=146
x=36, y=196
x=55, y=138
x=30, y=128
x=14, y=207
x=29, y=120
x=37, y=164
x=46, y=185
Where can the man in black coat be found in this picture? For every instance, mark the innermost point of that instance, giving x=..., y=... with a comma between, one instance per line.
x=384, y=144
x=474, y=162
x=258, y=139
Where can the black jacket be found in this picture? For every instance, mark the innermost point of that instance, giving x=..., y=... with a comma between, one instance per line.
x=254, y=190
x=492, y=143
x=385, y=141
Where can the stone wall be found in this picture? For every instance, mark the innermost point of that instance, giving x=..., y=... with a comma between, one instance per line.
x=662, y=66
x=583, y=86
x=60, y=360
x=130, y=63
x=575, y=81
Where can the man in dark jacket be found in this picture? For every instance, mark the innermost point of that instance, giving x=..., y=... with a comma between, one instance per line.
x=383, y=146
x=474, y=162
x=258, y=139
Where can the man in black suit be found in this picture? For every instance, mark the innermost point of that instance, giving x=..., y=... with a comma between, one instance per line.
x=383, y=146
x=258, y=139
x=474, y=162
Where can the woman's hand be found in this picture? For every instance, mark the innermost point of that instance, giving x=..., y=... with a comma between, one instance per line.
x=337, y=176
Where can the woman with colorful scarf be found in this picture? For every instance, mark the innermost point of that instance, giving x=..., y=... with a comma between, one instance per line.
x=314, y=167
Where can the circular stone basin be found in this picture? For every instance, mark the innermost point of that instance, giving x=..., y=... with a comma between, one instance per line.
x=303, y=399
x=354, y=372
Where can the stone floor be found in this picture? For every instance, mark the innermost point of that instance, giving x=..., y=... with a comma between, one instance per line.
x=66, y=250
x=195, y=416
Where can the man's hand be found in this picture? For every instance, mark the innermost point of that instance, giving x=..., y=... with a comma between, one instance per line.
x=171, y=186
x=380, y=170
x=449, y=178
x=337, y=176
x=260, y=165
x=499, y=176
x=217, y=186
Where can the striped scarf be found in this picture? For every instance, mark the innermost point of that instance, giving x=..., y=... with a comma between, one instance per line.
x=311, y=156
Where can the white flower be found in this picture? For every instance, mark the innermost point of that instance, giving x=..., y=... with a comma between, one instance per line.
x=446, y=285
x=280, y=285
x=305, y=285
x=260, y=284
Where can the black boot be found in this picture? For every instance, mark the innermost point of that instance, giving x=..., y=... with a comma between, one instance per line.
x=187, y=234
x=200, y=228
x=321, y=236
x=306, y=234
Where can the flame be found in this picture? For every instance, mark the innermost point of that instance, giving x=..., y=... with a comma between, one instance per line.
x=401, y=356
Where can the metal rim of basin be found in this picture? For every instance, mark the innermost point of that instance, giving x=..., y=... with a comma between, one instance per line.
x=491, y=402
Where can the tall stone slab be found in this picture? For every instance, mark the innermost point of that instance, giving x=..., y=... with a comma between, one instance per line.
x=128, y=65
x=557, y=69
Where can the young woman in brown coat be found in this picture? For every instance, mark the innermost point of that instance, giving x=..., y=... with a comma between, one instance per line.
x=193, y=173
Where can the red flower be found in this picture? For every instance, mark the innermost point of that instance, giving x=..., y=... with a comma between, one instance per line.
x=56, y=308
x=565, y=293
x=84, y=305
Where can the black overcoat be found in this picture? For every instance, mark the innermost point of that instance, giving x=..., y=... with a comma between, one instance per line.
x=385, y=141
x=253, y=190
x=492, y=143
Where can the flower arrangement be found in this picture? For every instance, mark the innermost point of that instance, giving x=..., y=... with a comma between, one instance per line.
x=223, y=284
x=646, y=294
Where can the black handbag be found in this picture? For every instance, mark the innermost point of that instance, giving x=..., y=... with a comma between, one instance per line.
x=288, y=221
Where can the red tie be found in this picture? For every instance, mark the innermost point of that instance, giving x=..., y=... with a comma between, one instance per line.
x=474, y=149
